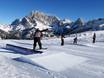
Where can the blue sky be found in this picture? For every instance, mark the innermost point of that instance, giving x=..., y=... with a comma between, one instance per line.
x=70, y=9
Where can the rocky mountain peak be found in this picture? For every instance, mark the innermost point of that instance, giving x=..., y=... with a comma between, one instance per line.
x=43, y=17
x=79, y=21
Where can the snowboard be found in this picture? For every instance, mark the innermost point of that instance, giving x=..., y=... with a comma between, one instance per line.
x=42, y=49
x=34, y=51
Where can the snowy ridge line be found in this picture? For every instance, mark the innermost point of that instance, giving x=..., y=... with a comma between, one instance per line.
x=21, y=50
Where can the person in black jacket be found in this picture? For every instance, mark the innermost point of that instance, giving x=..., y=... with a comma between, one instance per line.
x=37, y=39
x=75, y=40
x=62, y=40
x=94, y=38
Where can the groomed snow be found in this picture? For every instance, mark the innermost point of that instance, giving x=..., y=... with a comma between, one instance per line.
x=59, y=61
x=84, y=60
x=13, y=69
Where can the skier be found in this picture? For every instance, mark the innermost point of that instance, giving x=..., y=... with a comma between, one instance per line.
x=94, y=38
x=75, y=40
x=62, y=40
x=37, y=39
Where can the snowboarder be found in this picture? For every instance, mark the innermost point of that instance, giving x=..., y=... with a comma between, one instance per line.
x=62, y=40
x=94, y=38
x=37, y=39
x=75, y=40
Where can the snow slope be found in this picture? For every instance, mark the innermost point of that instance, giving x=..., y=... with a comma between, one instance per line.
x=84, y=60
x=12, y=69
x=59, y=61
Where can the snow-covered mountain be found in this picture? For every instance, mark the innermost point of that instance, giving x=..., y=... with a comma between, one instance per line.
x=78, y=23
x=80, y=26
x=5, y=28
x=96, y=24
x=25, y=27
x=35, y=19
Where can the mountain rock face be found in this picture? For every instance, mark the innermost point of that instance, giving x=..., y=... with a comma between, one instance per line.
x=36, y=19
x=93, y=25
x=4, y=31
x=96, y=24
x=16, y=22
x=77, y=26
x=25, y=27
x=43, y=18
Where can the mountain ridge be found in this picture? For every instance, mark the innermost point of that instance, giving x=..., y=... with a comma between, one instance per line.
x=43, y=21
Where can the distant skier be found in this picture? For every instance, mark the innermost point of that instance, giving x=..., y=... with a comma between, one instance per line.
x=94, y=38
x=62, y=40
x=75, y=40
x=37, y=39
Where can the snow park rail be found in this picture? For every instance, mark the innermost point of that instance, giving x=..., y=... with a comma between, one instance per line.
x=21, y=50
